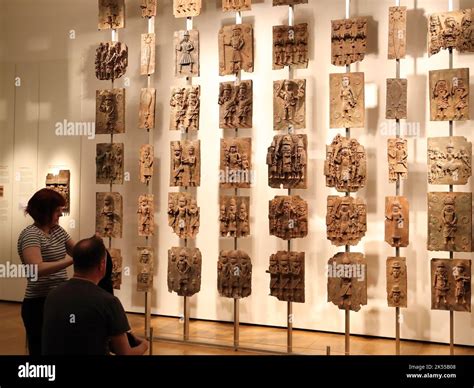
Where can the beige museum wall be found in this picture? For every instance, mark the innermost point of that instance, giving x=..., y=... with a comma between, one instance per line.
x=58, y=83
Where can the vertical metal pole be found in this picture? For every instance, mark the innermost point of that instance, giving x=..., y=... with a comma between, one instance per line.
x=186, y=319
x=290, y=328
x=397, y=330
x=348, y=332
x=236, y=324
x=151, y=342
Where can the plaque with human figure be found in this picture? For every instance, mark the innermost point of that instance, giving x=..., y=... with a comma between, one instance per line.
x=186, y=53
x=235, y=104
x=348, y=41
x=346, y=165
x=185, y=108
x=111, y=14
x=288, y=217
x=451, y=30
x=451, y=284
x=347, y=281
x=397, y=156
x=449, y=160
x=289, y=104
x=287, y=162
x=347, y=101
x=109, y=215
x=397, y=221
x=61, y=184
x=110, y=112
x=147, y=60
x=147, y=160
x=234, y=216
x=148, y=8
x=116, y=277
x=146, y=215
x=397, y=32
x=397, y=288
x=236, y=5
x=183, y=215
x=111, y=60
x=145, y=267
x=346, y=220
x=185, y=164
x=236, y=163
x=186, y=8
x=449, y=94
x=396, y=108
x=109, y=163
x=235, y=49
x=450, y=221
x=184, y=271
x=286, y=271
x=146, y=116
x=290, y=46
x=234, y=274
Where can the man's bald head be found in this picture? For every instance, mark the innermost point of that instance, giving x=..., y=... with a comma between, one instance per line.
x=88, y=254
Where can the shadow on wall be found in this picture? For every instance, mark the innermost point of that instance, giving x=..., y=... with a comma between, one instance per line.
x=416, y=44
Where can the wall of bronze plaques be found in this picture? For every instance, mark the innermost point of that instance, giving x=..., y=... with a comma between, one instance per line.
x=184, y=271
x=61, y=183
x=145, y=267
x=451, y=284
x=234, y=274
x=347, y=280
x=287, y=276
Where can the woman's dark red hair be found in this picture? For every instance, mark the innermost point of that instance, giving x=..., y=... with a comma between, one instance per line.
x=43, y=204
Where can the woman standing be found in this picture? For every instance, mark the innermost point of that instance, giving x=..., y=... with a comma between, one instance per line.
x=44, y=244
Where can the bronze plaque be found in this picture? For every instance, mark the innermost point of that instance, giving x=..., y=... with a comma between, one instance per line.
x=109, y=163
x=183, y=215
x=397, y=221
x=147, y=159
x=451, y=30
x=184, y=271
x=287, y=162
x=185, y=163
x=111, y=60
x=236, y=163
x=145, y=266
x=236, y=5
x=346, y=164
x=450, y=222
x=234, y=216
x=449, y=160
x=288, y=217
x=146, y=215
x=111, y=14
x=235, y=104
x=234, y=274
x=286, y=271
x=290, y=46
x=110, y=111
x=346, y=220
x=396, y=99
x=186, y=53
x=397, y=289
x=186, y=8
x=109, y=215
x=348, y=41
x=289, y=104
x=148, y=8
x=397, y=32
x=147, y=60
x=347, y=281
x=451, y=284
x=59, y=183
x=185, y=108
x=397, y=155
x=449, y=95
x=146, y=116
x=347, y=104
x=117, y=261
x=235, y=49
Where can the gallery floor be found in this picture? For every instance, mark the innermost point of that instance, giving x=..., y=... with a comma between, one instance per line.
x=12, y=340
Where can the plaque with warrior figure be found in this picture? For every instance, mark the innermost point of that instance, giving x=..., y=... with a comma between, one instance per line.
x=184, y=271
x=234, y=274
x=286, y=271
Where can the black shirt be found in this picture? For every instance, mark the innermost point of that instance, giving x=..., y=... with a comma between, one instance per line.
x=106, y=282
x=79, y=318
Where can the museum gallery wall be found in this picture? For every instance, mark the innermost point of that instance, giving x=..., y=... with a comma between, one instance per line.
x=50, y=83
